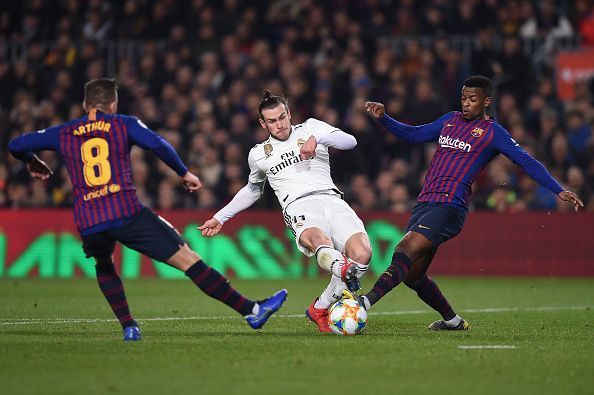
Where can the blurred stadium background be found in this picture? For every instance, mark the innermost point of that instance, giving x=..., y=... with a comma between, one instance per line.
x=193, y=71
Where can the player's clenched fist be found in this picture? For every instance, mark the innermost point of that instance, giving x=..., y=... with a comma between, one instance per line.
x=376, y=109
x=39, y=169
x=210, y=227
x=308, y=150
x=191, y=182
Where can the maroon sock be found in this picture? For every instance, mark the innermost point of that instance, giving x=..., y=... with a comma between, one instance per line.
x=390, y=278
x=113, y=290
x=430, y=293
x=215, y=285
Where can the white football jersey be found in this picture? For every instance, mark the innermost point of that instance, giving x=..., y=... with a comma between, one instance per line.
x=288, y=175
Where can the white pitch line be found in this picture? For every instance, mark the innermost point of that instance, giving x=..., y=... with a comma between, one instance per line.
x=38, y=321
x=489, y=346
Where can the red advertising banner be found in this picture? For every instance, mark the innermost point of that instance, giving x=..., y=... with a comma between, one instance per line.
x=256, y=244
x=573, y=67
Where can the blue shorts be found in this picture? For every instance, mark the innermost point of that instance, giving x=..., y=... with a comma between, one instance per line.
x=146, y=233
x=435, y=221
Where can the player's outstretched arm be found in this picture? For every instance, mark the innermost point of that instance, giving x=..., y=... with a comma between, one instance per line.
x=210, y=227
x=145, y=138
x=505, y=144
x=408, y=133
x=571, y=197
x=243, y=199
x=191, y=182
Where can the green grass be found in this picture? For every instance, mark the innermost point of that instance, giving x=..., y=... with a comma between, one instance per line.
x=553, y=354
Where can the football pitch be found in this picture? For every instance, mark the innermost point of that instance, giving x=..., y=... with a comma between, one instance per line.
x=527, y=336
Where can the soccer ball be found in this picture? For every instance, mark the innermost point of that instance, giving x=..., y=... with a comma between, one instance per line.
x=346, y=317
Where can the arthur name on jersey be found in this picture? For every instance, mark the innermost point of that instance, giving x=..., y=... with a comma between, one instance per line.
x=91, y=127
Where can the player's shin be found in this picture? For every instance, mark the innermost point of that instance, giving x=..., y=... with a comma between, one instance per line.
x=113, y=289
x=429, y=292
x=215, y=285
x=333, y=291
x=331, y=294
x=390, y=278
x=330, y=259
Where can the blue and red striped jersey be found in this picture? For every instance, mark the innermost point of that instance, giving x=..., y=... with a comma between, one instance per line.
x=96, y=151
x=464, y=149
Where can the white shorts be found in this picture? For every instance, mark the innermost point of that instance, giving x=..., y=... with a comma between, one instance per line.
x=329, y=213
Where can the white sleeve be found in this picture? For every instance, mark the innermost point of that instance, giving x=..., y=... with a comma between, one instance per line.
x=243, y=199
x=331, y=136
x=256, y=176
x=247, y=195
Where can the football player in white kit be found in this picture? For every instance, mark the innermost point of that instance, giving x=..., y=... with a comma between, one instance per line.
x=295, y=161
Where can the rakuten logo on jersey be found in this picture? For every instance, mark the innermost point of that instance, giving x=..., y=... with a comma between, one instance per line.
x=448, y=142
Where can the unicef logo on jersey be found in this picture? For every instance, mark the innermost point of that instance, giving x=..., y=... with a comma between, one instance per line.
x=102, y=192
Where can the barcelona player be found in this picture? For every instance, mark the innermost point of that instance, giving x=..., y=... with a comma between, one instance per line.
x=96, y=151
x=467, y=141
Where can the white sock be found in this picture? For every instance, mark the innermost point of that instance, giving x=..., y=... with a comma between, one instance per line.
x=361, y=270
x=333, y=291
x=255, y=309
x=454, y=321
x=366, y=302
x=331, y=294
x=329, y=259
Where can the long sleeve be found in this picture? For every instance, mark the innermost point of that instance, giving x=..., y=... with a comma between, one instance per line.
x=23, y=146
x=415, y=134
x=145, y=138
x=504, y=143
x=243, y=199
x=331, y=136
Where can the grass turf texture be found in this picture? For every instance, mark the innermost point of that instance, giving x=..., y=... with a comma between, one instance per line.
x=553, y=354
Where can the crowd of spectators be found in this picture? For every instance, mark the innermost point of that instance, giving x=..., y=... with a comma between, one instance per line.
x=201, y=65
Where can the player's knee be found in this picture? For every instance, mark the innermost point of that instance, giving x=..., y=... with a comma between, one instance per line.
x=412, y=248
x=313, y=238
x=361, y=255
x=405, y=248
x=409, y=283
x=183, y=258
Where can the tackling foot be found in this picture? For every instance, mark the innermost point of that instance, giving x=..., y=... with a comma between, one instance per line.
x=346, y=294
x=348, y=274
x=318, y=317
x=267, y=307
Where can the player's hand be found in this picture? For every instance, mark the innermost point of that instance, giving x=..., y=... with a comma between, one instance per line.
x=377, y=110
x=191, y=182
x=210, y=227
x=308, y=150
x=39, y=169
x=571, y=197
